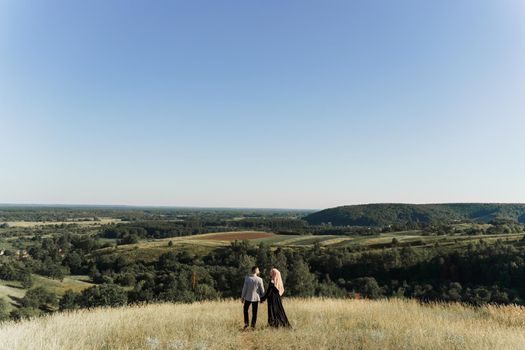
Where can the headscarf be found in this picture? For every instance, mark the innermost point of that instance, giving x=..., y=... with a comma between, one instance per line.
x=277, y=280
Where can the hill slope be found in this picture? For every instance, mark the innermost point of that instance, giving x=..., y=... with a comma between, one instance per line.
x=387, y=214
x=317, y=324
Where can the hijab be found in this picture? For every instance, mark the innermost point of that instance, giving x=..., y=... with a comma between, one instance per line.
x=277, y=280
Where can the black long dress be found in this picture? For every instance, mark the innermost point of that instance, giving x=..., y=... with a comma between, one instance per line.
x=276, y=315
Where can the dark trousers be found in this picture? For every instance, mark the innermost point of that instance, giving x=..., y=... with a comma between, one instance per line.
x=255, y=306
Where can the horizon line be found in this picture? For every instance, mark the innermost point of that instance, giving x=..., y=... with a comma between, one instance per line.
x=138, y=206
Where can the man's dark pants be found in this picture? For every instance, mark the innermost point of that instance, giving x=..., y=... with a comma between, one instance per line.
x=255, y=306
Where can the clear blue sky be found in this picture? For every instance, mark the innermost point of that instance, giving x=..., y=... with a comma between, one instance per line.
x=304, y=104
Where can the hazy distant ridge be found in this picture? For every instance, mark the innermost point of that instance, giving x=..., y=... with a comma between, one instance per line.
x=387, y=214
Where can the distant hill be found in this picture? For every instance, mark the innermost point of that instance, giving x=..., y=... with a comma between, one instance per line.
x=387, y=214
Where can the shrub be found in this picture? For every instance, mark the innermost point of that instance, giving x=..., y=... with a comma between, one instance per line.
x=39, y=298
x=104, y=295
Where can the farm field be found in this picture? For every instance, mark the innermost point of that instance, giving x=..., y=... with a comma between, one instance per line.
x=80, y=222
x=150, y=250
x=219, y=239
x=232, y=236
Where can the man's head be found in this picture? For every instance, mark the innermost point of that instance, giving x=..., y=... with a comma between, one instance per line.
x=255, y=270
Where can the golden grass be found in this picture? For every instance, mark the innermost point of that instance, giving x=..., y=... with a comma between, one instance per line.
x=75, y=283
x=317, y=324
x=335, y=241
x=214, y=239
x=152, y=249
x=233, y=235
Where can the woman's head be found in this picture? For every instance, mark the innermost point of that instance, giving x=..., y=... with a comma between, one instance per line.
x=277, y=280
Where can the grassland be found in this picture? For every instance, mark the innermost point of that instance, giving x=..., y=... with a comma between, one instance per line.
x=317, y=324
x=12, y=291
x=80, y=222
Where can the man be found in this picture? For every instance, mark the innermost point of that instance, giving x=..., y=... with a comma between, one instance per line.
x=252, y=291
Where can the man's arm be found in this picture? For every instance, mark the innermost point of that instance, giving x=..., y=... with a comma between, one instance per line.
x=260, y=288
x=243, y=290
x=265, y=296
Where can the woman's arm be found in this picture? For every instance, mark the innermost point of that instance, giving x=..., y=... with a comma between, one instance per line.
x=265, y=296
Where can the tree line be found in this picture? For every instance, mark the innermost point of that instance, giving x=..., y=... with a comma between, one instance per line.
x=478, y=273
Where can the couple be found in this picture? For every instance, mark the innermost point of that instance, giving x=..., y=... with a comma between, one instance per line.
x=253, y=292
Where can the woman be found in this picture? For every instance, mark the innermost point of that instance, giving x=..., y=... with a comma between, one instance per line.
x=276, y=315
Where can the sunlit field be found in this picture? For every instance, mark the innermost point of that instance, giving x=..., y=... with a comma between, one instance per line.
x=317, y=324
x=80, y=222
x=13, y=290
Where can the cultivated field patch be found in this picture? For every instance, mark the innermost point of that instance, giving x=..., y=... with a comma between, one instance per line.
x=100, y=222
x=232, y=236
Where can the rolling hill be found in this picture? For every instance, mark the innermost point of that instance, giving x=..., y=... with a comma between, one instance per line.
x=388, y=214
x=316, y=324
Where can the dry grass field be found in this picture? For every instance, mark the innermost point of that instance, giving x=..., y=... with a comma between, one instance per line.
x=232, y=236
x=213, y=239
x=100, y=222
x=317, y=324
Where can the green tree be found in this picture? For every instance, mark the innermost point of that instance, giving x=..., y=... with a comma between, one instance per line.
x=74, y=261
x=479, y=295
x=246, y=262
x=328, y=288
x=300, y=281
x=454, y=292
x=26, y=280
x=39, y=298
x=103, y=295
x=24, y=313
x=368, y=287
x=126, y=279
x=205, y=292
x=279, y=261
x=264, y=255
x=70, y=300
x=53, y=270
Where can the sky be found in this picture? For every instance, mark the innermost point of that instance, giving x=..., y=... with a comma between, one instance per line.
x=277, y=104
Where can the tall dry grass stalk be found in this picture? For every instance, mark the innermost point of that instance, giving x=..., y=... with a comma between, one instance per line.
x=317, y=324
